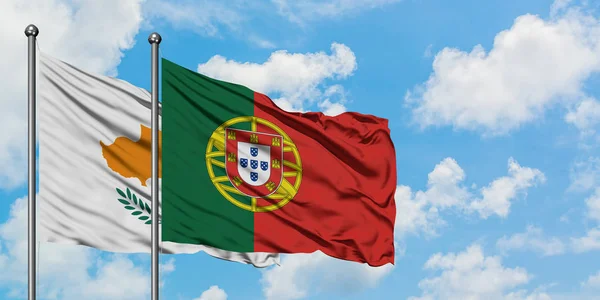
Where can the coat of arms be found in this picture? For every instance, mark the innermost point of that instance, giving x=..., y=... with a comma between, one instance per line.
x=253, y=161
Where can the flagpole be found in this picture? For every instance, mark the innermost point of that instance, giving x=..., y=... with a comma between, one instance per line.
x=154, y=40
x=31, y=33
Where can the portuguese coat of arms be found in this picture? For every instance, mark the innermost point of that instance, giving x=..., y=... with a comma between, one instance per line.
x=253, y=161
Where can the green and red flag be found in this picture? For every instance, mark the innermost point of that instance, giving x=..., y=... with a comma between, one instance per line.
x=241, y=174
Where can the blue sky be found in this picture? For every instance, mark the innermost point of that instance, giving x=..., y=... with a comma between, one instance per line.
x=493, y=113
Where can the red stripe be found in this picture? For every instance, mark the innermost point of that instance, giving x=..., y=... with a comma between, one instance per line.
x=345, y=204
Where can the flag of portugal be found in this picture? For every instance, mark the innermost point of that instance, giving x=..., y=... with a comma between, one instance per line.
x=241, y=174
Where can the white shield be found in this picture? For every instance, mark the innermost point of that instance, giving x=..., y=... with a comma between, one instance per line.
x=254, y=163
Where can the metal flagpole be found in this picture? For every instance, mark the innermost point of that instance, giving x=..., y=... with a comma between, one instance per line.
x=31, y=32
x=154, y=40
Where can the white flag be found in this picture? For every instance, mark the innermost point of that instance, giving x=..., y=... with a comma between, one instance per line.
x=82, y=200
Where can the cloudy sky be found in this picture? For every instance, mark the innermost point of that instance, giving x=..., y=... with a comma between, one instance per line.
x=493, y=110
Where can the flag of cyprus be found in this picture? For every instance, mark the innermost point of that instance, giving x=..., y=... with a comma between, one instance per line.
x=94, y=165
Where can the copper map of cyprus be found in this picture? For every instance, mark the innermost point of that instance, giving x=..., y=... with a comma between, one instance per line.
x=132, y=159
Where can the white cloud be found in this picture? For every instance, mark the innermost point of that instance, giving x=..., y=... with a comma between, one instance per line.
x=443, y=185
x=115, y=277
x=593, y=206
x=415, y=214
x=592, y=282
x=302, y=11
x=215, y=18
x=165, y=269
x=428, y=51
x=585, y=175
x=213, y=293
x=471, y=275
x=496, y=197
x=532, y=239
x=524, y=295
x=204, y=16
x=513, y=84
x=334, y=100
x=261, y=42
x=301, y=275
x=589, y=242
x=70, y=30
x=331, y=109
x=298, y=78
x=420, y=211
x=559, y=6
x=586, y=116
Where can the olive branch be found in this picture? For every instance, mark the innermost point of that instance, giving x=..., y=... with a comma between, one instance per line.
x=132, y=202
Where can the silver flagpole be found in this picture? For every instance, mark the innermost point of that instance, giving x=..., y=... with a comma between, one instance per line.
x=31, y=32
x=154, y=40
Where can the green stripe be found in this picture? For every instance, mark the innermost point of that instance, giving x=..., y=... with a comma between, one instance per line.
x=193, y=210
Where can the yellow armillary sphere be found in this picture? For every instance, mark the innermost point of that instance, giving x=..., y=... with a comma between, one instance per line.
x=261, y=172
